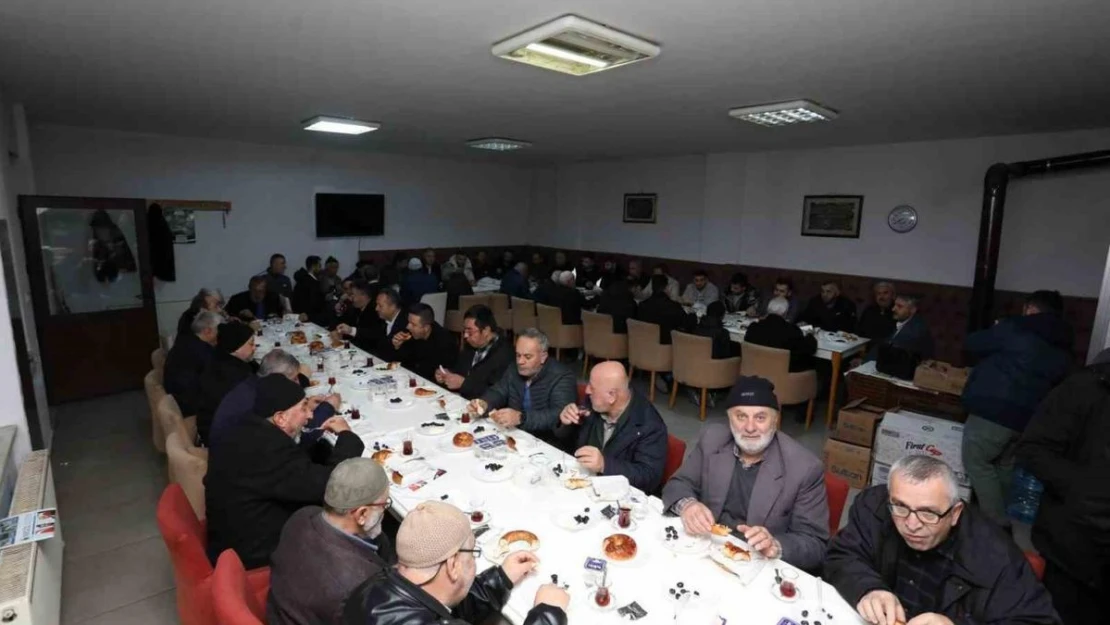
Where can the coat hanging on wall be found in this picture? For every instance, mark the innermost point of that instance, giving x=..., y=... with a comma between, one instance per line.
x=161, y=245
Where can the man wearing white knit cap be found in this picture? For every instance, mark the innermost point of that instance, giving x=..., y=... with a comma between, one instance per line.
x=435, y=581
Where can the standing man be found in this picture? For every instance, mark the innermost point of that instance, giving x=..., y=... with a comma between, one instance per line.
x=830, y=310
x=913, y=553
x=700, y=292
x=755, y=480
x=425, y=346
x=484, y=359
x=876, y=322
x=1021, y=359
x=276, y=280
x=623, y=434
x=308, y=295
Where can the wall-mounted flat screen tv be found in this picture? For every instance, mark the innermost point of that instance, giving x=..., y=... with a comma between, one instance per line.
x=349, y=215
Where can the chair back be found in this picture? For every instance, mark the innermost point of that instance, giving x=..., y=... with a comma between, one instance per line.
x=836, y=488
x=598, y=337
x=774, y=364
x=466, y=301
x=186, y=541
x=438, y=302
x=152, y=383
x=676, y=451
x=558, y=335
x=1036, y=562
x=188, y=464
x=644, y=349
x=158, y=359
x=694, y=364
x=168, y=414
x=235, y=601
x=499, y=304
x=524, y=315
x=167, y=341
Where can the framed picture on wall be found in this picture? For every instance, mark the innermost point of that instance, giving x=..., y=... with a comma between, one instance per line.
x=832, y=216
x=639, y=208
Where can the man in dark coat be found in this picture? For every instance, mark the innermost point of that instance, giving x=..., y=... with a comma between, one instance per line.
x=830, y=310
x=618, y=302
x=187, y=360
x=231, y=364
x=876, y=322
x=425, y=346
x=564, y=296
x=912, y=552
x=205, y=299
x=1067, y=447
x=622, y=434
x=1022, y=359
x=514, y=281
x=309, y=299
x=663, y=311
x=775, y=331
x=259, y=477
x=484, y=359
x=324, y=553
x=418, y=282
x=257, y=302
x=532, y=394
x=362, y=323
x=435, y=581
x=911, y=333
x=276, y=281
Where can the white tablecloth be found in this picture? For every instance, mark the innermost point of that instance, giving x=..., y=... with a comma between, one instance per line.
x=827, y=342
x=515, y=504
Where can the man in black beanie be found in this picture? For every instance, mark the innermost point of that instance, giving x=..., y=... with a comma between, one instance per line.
x=231, y=364
x=749, y=479
x=259, y=476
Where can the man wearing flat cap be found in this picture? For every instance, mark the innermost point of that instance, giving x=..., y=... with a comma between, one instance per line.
x=259, y=476
x=435, y=580
x=326, y=552
x=231, y=364
x=756, y=481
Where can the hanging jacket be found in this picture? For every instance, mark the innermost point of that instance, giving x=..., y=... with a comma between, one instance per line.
x=160, y=240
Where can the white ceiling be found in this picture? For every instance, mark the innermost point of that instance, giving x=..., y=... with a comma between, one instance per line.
x=252, y=69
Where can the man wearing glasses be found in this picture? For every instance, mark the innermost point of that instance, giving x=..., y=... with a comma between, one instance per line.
x=914, y=553
x=436, y=581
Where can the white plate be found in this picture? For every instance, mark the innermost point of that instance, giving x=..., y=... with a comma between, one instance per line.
x=480, y=473
x=745, y=570
x=424, y=430
x=406, y=402
x=685, y=545
x=565, y=520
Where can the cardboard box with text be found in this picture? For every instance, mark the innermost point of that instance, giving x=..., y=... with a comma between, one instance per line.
x=851, y=462
x=856, y=423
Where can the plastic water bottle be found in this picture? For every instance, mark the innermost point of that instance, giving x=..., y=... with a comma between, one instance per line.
x=1025, y=496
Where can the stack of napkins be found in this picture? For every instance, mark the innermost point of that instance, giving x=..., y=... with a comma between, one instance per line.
x=610, y=486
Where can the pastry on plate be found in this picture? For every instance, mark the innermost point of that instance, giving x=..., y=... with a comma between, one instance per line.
x=519, y=536
x=381, y=456
x=732, y=551
x=510, y=442
x=574, y=483
x=397, y=478
x=619, y=547
x=463, y=439
x=316, y=347
x=720, y=530
x=297, y=337
x=425, y=392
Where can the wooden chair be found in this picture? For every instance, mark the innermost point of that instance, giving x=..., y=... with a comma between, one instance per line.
x=647, y=353
x=499, y=304
x=438, y=302
x=236, y=601
x=774, y=365
x=695, y=366
x=559, y=336
x=152, y=383
x=523, y=314
x=158, y=360
x=453, y=319
x=600, y=341
x=676, y=452
x=188, y=464
x=836, y=489
x=170, y=419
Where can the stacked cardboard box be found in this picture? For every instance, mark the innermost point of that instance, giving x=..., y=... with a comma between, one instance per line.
x=941, y=376
x=848, y=450
x=903, y=433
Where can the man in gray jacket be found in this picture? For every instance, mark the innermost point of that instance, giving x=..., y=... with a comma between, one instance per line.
x=755, y=481
x=531, y=395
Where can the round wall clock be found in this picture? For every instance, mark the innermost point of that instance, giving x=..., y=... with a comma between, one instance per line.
x=902, y=218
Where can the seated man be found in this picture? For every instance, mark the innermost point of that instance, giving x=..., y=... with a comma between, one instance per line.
x=231, y=363
x=531, y=395
x=911, y=333
x=775, y=331
x=830, y=310
x=784, y=288
x=257, y=302
x=514, y=280
x=430, y=265
x=564, y=296
x=373, y=328
x=435, y=581
x=712, y=326
x=755, y=480
x=588, y=273
x=618, y=302
x=259, y=476
x=324, y=553
x=276, y=281
x=238, y=404
x=458, y=263
x=205, y=299
x=309, y=299
x=484, y=359
x=425, y=346
x=741, y=296
x=912, y=552
x=701, y=291
x=187, y=360
x=876, y=322
x=671, y=289
x=417, y=282
x=666, y=313
x=622, y=435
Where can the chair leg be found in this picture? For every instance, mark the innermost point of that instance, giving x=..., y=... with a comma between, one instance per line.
x=651, y=387
x=809, y=414
x=704, y=403
x=674, y=393
x=585, y=364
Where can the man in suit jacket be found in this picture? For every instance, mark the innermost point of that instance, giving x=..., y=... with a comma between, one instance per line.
x=830, y=310
x=564, y=296
x=663, y=311
x=484, y=359
x=911, y=333
x=775, y=331
x=231, y=364
x=425, y=346
x=531, y=395
x=188, y=358
x=376, y=326
x=260, y=477
x=418, y=282
x=622, y=435
x=309, y=299
x=754, y=480
x=257, y=302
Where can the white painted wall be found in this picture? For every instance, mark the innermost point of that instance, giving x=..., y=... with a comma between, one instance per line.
x=429, y=202
x=745, y=208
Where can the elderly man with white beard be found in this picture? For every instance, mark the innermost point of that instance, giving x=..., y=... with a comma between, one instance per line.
x=752, y=481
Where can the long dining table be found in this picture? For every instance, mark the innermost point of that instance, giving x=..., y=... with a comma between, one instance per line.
x=529, y=492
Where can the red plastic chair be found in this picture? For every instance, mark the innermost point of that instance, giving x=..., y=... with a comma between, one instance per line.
x=186, y=539
x=836, y=488
x=235, y=600
x=1036, y=562
x=676, y=451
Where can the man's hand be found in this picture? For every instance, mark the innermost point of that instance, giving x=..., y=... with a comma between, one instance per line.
x=476, y=406
x=590, y=458
x=452, y=381
x=343, y=329
x=760, y=539
x=400, y=338
x=881, y=608
x=336, y=424
x=569, y=415
x=506, y=417
x=334, y=399
x=440, y=375
x=697, y=519
x=519, y=564
x=303, y=318
x=751, y=311
x=552, y=595
x=930, y=618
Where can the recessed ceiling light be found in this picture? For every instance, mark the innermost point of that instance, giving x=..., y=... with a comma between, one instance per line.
x=497, y=144
x=784, y=113
x=341, y=125
x=576, y=46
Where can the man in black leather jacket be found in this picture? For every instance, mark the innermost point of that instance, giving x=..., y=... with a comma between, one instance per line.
x=435, y=582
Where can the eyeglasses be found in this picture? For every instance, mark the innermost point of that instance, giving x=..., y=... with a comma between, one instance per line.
x=477, y=551
x=385, y=504
x=928, y=517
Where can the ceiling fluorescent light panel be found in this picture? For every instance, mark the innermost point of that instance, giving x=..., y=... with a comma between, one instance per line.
x=784, y=113
x=497, y=144
x=339, y=125
x=576, y=46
